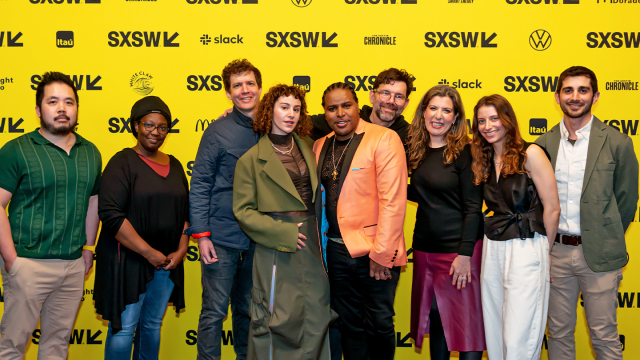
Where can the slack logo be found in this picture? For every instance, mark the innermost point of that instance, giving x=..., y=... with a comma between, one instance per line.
x=296, y=39
x=64, y=39
x=537, y=126
x=303, y=81
x=463, y=84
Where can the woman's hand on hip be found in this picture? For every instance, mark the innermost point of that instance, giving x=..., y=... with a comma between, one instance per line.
x=461, y=271
x=157, y=259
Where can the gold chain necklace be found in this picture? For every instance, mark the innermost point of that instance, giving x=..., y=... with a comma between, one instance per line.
x=333, y=156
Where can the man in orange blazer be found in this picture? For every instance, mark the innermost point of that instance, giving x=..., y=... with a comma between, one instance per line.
x=363, y=174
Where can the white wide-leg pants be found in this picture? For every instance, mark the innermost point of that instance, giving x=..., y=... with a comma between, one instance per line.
x=515, y=296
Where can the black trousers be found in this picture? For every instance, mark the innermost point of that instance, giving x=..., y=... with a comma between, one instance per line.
x=365, y=305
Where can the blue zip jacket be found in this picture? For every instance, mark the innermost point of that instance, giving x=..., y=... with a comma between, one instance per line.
x=211, y=194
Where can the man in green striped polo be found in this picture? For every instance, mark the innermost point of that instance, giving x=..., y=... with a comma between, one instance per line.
x=50, y=180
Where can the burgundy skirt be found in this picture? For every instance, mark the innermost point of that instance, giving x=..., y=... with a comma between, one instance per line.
x=461, y=311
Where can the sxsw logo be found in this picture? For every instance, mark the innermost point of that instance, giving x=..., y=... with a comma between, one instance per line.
x=123, y=125
x=142, y=38
x=374, y=2
x=63, y=1
x=365, y=83
x=221, y=2
x=64, y=39
x=11, y=127
x=86, y=82
x=463, y=84
x=537, y=126
x=296, y=39
x=628, y=300
x=203, y=124
x=303, y=81
x=456, y=39
x=12, y=40
x=192, y=335
x=536, y=2
x=613, y=40
x=629, y=127
x=204, y=83
x=189, y=172
x=530, y=83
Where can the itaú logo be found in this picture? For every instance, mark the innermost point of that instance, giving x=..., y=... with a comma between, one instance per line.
x=540, y=40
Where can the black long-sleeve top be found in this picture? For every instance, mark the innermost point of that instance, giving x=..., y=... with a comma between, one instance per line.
x=449, y=217
x=157, y=207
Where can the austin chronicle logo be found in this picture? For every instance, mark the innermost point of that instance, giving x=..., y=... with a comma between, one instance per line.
x=64, y=39
x=141, y=83
x=301, y=3
x=303, y=82
x=540, y=40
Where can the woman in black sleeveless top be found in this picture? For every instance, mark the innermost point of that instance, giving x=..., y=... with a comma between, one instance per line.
x=520, y=189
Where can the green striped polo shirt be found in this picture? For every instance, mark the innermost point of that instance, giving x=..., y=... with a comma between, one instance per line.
x=50, y=194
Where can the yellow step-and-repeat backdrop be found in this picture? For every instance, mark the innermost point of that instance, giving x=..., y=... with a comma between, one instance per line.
x=178, y=48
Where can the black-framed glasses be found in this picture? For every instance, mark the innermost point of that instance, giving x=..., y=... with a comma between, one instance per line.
x=150, y=127
x=387, y=95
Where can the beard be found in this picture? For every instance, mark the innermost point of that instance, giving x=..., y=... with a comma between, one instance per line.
x=58, y=130
x=386, y=116
x=573, y=115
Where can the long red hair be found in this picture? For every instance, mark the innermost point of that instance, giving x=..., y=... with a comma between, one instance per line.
x=513, y=146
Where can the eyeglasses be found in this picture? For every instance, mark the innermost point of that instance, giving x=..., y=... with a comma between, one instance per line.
x=150, y=127
x=386, y=96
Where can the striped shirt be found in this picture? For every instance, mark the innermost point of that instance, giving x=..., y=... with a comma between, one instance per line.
x=50, y=194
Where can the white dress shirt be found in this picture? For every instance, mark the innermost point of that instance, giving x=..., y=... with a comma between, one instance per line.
x=570, y=166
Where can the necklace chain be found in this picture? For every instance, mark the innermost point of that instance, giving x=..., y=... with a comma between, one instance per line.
x=333, y=156
x=280, y=151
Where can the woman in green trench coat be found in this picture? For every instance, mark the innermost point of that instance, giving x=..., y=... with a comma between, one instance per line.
x=273, y=193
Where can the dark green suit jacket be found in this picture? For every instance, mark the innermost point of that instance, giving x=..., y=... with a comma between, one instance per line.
x=262, y=184
x=609, y=193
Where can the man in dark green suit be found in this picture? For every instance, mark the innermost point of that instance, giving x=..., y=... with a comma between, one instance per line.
x=597, y=175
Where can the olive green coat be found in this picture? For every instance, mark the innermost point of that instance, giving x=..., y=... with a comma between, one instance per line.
x=290, y=313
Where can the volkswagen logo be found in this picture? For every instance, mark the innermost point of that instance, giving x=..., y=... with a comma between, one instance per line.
x=540, y=40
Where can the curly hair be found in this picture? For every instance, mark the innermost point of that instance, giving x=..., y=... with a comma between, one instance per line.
x=418, y=135
x=239, y=66
x=264, y=118
x=513, y=146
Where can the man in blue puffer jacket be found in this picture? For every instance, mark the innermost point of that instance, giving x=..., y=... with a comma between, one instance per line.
x=226, y=252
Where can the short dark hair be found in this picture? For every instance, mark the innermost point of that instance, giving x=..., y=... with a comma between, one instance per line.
x=578, y=71
x=391, y=75
x=239, y=66
x=51, y=77
x=339, y=85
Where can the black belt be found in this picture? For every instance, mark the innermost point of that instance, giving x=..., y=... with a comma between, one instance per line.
x=573, y=240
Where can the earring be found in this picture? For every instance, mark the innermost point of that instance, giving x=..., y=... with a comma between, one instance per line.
x=453, y=128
